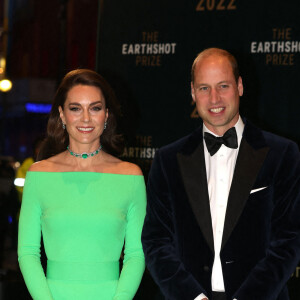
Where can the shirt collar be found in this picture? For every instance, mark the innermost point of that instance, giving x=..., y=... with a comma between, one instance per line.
x=239, y=127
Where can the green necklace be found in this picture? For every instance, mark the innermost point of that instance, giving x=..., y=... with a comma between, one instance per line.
x=85, y=155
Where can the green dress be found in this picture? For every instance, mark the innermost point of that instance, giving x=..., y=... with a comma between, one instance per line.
x=84, y=217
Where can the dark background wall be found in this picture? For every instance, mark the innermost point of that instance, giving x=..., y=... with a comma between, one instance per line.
x=263, y=35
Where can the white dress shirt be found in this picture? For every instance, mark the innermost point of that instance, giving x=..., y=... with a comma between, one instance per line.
x=219, y=170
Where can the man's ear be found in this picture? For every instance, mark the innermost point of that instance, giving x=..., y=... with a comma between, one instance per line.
x=240, y=86
x=193, y=91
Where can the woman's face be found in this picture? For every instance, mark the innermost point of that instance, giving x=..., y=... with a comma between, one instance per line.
x=84, y=114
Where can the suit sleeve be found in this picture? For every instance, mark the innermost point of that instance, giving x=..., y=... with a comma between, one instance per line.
x=158, y=237
x=134, y=260
x=29, y=243
x=270, y=274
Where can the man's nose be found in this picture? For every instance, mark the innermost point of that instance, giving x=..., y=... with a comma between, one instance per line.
x=214, y=96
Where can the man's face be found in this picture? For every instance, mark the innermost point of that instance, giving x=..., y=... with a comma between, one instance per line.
x=216, y=93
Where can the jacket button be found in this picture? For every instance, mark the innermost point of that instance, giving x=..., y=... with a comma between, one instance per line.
x=206, y=268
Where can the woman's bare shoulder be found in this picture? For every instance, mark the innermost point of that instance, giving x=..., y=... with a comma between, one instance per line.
x=39, y=166
x=47, y=165
x=119, y=166
x=130, y=168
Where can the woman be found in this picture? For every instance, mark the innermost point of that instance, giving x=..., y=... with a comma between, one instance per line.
x=84, y=200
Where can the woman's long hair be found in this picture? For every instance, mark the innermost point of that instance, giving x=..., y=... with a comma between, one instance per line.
x=57, y=138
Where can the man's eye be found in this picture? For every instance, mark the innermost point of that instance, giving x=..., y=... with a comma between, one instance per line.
x=203, y=88
x=224, y=86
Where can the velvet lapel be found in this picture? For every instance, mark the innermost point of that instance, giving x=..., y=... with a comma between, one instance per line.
x=193, y=173
x=252, y=153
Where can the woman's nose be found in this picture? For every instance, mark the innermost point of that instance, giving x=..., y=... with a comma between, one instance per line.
x=86, y=116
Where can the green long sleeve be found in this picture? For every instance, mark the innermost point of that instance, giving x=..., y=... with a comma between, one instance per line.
x=29, y=244
x=134, y=262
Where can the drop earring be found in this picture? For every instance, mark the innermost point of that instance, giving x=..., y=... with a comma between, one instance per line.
x=63, y=126
x=105, y=125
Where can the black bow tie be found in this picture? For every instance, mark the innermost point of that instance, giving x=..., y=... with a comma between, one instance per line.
x=213, y=143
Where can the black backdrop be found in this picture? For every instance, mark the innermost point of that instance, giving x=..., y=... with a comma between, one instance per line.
x=146, y=49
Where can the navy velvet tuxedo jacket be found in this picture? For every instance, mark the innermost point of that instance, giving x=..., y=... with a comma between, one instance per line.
x=261, y=241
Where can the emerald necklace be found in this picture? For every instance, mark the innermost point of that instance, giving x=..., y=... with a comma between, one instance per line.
x=85, y=155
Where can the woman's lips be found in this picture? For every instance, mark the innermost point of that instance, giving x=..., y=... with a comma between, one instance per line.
x=85, y=129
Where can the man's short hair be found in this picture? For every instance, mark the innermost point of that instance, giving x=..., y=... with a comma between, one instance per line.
x=217, y=51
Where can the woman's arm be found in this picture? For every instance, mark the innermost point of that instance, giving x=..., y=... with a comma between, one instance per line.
x=134, y=261
x=29, y=241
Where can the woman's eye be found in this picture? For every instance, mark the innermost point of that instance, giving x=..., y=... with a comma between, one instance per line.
x=74, y=108
x=97, y=108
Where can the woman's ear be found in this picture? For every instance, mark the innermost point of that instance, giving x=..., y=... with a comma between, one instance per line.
x=106, y=115
x=61, y=114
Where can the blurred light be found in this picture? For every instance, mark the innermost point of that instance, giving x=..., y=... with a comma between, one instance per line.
x=1, y=70
x=38, y=108
x=23, y=149
x=2, y=63
x=19, y=182
x=17, y=165
x=10, y=219
x=5, y=85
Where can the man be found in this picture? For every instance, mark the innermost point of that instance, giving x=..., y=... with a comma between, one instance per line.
x=223, y=215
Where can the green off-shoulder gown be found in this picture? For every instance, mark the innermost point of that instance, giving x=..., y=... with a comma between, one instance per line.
x=85, y=219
